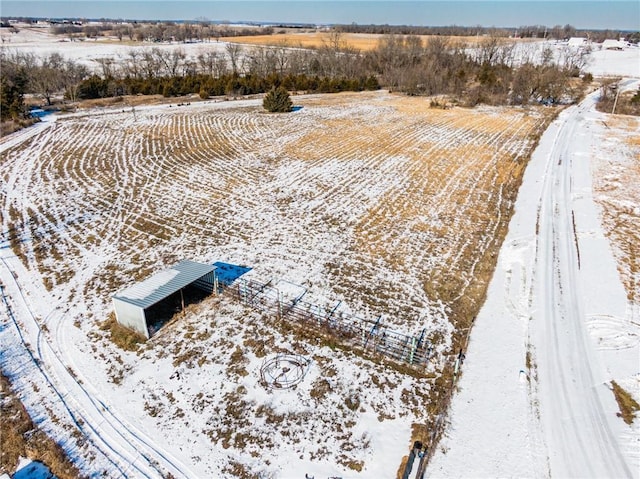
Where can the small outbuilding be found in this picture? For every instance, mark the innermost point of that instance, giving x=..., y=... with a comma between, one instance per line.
x=611, y=44
x=577, y=42
x=142, y=306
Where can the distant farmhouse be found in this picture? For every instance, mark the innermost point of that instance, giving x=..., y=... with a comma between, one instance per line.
x=611, y=44
x=577, y=42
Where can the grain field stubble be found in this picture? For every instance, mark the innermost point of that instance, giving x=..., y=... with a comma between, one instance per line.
x=377, y=200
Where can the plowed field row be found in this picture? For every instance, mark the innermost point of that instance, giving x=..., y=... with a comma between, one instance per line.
x=373, y=199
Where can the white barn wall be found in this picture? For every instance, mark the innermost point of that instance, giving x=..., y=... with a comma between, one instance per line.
x=131, y=316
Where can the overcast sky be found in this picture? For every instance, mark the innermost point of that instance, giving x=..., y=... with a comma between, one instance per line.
x=603, y=14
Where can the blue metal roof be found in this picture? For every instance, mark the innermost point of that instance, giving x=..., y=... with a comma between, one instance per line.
x=163, y=284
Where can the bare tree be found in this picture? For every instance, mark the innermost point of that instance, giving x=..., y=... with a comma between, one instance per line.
x=524, y=85
x=206, y=62
x=415, y=49
x=107, y=66
x=50, y=75
x=203, y=28
x=176, y=61
x=234, y=51
x=131, y=64
x=280, y=57
x=336, y=41
x=165, y=62
x=149, y=64
x=120, y=32
x=574, y=60
x=74, y=73
x=488, y=50
x=212, y=63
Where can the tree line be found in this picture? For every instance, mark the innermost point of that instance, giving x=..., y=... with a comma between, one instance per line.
x=45, y=76
x=206, y=86
x=204, y=30
x=556, y=32
x=494, y=71
x=160, y=31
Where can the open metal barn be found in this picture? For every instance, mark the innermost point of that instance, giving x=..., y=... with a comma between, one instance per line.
x=144, y=305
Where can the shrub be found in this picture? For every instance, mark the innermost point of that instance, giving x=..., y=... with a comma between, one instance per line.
x=19, y=436
x=121, y=336
x=628, y=406
x=277, y=100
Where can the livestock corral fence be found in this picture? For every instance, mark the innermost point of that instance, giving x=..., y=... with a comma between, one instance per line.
x=372, y=337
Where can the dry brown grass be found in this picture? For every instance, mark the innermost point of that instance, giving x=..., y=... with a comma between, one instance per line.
x=623, y=104
x=239, y=470
x=122, y=337
x=128, y=101
x=359, y=41
x=628, y=406
x=11, y=126
x=20, y=437
x=362, y=42
x=616, y=180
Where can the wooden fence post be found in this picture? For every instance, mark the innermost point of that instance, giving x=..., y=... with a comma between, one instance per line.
x=278, y=294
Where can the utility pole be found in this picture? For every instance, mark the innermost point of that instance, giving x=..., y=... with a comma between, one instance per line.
x=615, y=102
x=133, y=110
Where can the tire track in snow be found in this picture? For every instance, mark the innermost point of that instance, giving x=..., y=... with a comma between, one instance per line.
x=579, y=439
x=141, y=443
x=111, y=436
x=47, y=376
x=14, y=139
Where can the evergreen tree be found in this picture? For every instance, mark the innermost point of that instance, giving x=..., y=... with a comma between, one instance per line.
x=277, y=100
x=13, y=83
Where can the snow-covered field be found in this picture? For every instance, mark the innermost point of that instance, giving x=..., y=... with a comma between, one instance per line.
x=359, y=198
x=370, y=199
x=91, y=53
